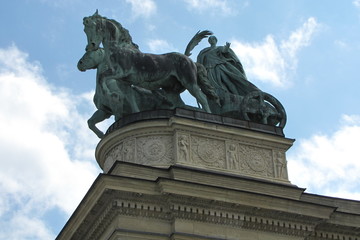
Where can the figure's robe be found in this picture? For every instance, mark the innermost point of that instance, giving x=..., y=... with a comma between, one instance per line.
x=225, y=70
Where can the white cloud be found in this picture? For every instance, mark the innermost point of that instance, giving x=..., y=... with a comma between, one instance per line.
x=342, y=44
x=142, y=8
x=329, y=164
x=25, y=227
x=356, y=3
x=262, y=61
x=273, y=62
x=42, y=131
x=299, y=38
x=224, y=7
x=213, y=6
x=160, y=46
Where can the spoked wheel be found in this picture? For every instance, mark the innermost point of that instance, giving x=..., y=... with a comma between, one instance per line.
x=263, y=108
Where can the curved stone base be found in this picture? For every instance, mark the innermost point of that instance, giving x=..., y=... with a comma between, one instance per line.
x=200, y=143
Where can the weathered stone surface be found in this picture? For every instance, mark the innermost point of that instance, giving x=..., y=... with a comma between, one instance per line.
x=175, y=139
x=181, y=175
x=140, y=202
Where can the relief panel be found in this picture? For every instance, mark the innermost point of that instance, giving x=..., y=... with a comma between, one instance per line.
x=255, y=161
x=115, y=154
x=155, y=150
x=208, y=152
x=183, y=148
x=280, y=165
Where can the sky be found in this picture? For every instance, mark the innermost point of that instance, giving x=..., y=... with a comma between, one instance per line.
x=305, y=53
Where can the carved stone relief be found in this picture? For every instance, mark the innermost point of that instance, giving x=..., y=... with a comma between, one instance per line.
x=256, y=161
x=114, y=155
x=200, y=151
x=280, y=165
x=183, y=148
x=129, y=150
x=208, y=151
x=155, y=150
x=124, y=151
x=147, y=150
x=232, y=156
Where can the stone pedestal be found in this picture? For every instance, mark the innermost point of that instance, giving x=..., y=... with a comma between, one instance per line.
x=199, y=140
x=181, y=175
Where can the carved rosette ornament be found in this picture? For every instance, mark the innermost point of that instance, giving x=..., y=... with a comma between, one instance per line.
x=255, y=160
x=148, y=150
x=154, y=150
x=208, y=152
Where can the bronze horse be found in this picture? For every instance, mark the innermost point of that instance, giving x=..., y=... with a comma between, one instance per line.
x=171, y=72
x=117, y=97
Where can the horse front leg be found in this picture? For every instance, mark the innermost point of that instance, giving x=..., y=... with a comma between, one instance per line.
x=117, y=105
x=124, y=93
x=132, y=99
x=97, y=117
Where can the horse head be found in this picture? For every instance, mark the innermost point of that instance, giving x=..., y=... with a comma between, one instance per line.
x=93, y=30
x=91, y=59
x=109, y=32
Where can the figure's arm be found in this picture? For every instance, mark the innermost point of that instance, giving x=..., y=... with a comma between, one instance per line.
x=226, y=47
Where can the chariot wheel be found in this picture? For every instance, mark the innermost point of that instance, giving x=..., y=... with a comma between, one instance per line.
x=262, y=107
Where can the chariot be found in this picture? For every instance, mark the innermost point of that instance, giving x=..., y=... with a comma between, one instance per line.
x=255, y=106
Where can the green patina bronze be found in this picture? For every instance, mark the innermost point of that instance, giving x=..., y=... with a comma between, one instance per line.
x=238, y=97
x=130, y=81
x=118, y=98
x=224, y=69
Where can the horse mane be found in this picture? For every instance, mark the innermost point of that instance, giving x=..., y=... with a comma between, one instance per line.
x=124, y=37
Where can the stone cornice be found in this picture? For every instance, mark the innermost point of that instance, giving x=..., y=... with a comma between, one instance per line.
x=158, y=200
x=194, y=115
x=180, y=174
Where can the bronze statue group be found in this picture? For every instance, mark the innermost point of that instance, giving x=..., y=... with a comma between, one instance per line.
x=129, y=81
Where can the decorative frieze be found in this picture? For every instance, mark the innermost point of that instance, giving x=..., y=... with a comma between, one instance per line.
x=163, y=146
x=194, y=210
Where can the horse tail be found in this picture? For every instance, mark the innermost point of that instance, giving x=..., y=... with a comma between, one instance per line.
x=204, y=83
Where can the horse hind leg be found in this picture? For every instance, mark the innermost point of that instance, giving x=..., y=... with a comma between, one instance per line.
x=200, y=96
x=188, y=77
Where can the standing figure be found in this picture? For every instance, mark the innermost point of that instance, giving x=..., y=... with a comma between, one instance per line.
x=281, y=165
x=183, y=148
x=224, y=69
x=233, y=162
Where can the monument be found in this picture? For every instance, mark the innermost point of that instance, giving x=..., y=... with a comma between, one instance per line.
x=176, y=172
